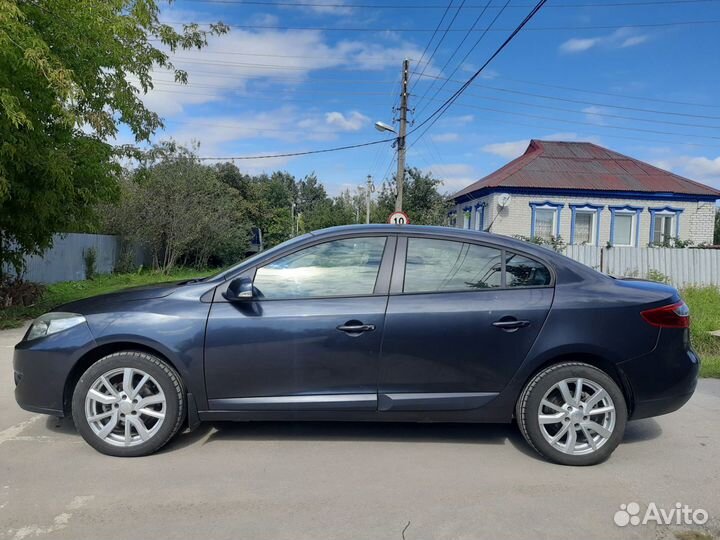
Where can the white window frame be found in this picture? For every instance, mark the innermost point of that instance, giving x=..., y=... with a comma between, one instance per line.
x=593, y=224
x=673, y=225
x=554, y=210
x=467, y=217
x=479, y=217
x=633, y=225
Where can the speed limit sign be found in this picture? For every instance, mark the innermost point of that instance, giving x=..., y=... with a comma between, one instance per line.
x=398, y=218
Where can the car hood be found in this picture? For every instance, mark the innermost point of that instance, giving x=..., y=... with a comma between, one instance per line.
x=144, y=292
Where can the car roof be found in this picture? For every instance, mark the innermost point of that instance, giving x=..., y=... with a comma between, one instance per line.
x=434, y=230
x=566, y=268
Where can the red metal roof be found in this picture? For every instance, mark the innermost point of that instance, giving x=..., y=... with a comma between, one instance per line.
x=585, y=166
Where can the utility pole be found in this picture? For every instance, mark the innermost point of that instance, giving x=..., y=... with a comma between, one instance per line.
x=401, y=136
x=292, y=219
x=370, y=189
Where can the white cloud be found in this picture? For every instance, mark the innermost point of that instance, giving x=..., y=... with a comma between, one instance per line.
x=236, y=63
x=698, y=168
x=704, y=168
x=619, y=39
x=579, y=45
x=336, y=7
x=513, y=149
x=455, y=176
x=634, y=40
x=255, y=133
x=509, y=150
x=445, y=137
x=461, y=120
x=594, y=114
x=354, y=121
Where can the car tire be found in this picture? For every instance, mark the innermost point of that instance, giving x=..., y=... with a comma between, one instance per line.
x=139, y=394
x=568, y=426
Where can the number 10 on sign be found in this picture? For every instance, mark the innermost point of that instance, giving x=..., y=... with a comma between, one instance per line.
x=398, y=218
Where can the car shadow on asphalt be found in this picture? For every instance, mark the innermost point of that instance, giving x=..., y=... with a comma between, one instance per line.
x=479, y=434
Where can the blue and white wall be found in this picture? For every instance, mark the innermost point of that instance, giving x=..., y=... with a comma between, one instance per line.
x=693, y=220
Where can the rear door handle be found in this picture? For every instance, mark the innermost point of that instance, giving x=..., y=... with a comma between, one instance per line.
x=356, y=328
x=510, y=324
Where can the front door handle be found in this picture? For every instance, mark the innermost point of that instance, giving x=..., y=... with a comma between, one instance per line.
x=356, y=328
x=507, y=323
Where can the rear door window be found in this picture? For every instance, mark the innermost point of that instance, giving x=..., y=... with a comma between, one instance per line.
x=444, y=265
x=433, y=265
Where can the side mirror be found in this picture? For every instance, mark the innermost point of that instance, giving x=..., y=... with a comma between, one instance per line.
x=239, y=289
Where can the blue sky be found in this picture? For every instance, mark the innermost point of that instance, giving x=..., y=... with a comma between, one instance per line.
x=264, y=89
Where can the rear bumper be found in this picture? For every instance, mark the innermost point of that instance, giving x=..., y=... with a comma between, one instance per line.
x=656, y=407
x=664, y=380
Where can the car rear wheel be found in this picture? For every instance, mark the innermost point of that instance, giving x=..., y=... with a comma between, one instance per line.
x=572, y=413
x=128, y=404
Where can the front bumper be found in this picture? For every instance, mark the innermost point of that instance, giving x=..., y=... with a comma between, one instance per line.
x=42, y=367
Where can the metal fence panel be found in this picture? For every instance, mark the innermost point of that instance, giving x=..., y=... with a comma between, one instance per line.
x=681, y=267
x=65, y=261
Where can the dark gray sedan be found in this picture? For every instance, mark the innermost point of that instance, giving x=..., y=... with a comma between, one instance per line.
x=384, y=323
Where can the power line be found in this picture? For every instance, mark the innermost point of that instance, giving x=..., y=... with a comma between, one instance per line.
x=422, y=57
x=486, y=98
x=240, y=77
x=448, y=79
x=198, y=85
x=604, y=135
x=583, y=102
x=254, y=66
x=613, y=94
x=440, y=6
x=467, y=54
x=578, y=122
x=599, y=114
x=294, y=154
x=442, y=38
x=419, y=30
x=446, y=105
x=459, y=46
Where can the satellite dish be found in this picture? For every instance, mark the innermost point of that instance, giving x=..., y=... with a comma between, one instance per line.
x=503, y=200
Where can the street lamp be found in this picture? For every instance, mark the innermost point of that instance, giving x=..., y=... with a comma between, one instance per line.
x=382, y=126
x=400, y=144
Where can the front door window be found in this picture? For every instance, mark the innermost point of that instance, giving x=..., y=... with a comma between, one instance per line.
x=347, y=267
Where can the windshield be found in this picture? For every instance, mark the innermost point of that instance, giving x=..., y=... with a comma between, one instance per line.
x=224, y=274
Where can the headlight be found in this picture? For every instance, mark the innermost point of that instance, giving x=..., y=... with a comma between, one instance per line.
x=52, y=323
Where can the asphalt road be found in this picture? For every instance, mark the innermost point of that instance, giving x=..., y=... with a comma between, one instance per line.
x=344, y=481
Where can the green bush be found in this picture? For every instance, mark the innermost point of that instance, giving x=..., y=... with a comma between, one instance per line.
x=90, y=260
x=704, y=303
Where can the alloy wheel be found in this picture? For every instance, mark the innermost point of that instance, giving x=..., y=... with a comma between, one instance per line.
x=125, y=407
x=576, y=416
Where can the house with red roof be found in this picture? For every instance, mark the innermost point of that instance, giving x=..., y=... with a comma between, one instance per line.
x=586, y=194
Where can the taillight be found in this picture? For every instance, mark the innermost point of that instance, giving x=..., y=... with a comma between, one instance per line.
x=675, y=315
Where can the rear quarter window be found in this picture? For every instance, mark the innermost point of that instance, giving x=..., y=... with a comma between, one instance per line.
x=522, y=271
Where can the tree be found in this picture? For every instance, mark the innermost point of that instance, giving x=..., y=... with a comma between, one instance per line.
x=181, y=212
x=422, y=200
x=72, y=71
x=716, y=233
x=274, y=196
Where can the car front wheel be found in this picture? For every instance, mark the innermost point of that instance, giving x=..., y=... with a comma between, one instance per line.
x=572, y=413
x=128, y=404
